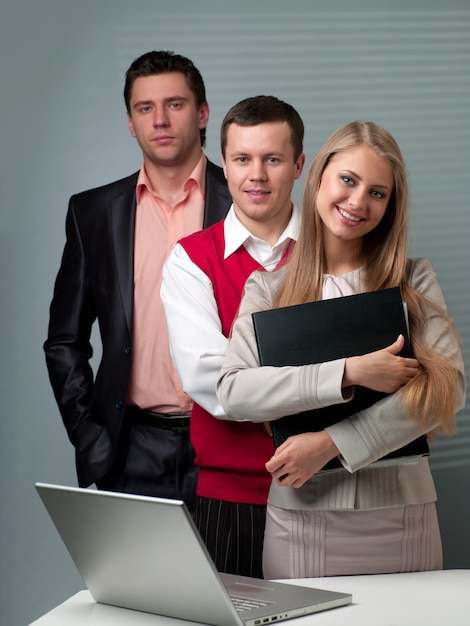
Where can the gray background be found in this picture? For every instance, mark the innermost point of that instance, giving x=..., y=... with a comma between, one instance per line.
x=63, y=129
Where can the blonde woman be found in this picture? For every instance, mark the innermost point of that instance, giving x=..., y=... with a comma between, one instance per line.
x=366, y=517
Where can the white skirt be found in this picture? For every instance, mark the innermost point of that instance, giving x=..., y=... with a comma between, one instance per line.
x=314, y=543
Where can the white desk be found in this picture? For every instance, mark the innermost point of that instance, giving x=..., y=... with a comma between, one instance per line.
x=416, y=599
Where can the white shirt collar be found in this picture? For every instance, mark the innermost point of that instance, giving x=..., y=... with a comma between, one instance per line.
x=236, y=234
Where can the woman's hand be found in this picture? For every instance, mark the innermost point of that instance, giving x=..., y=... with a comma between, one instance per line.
x=300, y=457
x=382, y=370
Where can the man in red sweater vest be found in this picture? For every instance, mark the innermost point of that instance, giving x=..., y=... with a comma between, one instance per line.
x=203, y=280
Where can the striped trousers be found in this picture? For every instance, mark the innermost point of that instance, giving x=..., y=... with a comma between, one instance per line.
x=233, y=533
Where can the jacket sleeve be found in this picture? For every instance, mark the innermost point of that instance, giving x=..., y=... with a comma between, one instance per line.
x=68, y=349
x=386, y=426
x=248, y=391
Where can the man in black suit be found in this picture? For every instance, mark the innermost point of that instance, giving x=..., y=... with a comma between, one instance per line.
x=130, y=424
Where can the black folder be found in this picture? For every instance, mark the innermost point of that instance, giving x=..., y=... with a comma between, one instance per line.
x=316, y=332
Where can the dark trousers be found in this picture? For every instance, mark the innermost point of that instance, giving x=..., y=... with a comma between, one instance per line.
x=153, y=461
x=233, y=533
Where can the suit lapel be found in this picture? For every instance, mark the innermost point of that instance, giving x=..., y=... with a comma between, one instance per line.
x=123, y=221
x=218, y=200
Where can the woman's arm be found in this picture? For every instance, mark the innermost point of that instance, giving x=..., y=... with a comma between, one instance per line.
x=248, y=391
x=386, y=426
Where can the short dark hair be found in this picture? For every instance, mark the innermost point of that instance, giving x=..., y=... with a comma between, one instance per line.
x=259, y=110
x=164, y=62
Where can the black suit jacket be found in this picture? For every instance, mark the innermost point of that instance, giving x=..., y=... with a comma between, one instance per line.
x=95, y=281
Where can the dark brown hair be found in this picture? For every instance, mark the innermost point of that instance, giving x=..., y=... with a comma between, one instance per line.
x=165, y=62
x=262, y=109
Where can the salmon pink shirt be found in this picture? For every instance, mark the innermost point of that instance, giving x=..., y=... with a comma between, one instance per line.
x=154, y=383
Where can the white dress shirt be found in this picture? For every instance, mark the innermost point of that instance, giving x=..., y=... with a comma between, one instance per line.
x=197, y=343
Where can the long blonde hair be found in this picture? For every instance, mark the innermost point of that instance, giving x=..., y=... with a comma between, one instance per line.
x=385, y=250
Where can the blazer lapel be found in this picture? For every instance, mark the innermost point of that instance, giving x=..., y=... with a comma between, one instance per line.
x=218, y=199
x=217, y=202
x=123, y=222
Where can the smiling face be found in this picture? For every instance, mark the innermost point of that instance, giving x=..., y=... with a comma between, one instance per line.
x=354, y=192
x=165, y=120
x=260, y=168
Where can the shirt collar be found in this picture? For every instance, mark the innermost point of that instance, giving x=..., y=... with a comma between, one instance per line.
x=236, y=234
x=197, y=176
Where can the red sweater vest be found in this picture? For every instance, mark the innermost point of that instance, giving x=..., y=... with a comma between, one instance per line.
x=231, y=455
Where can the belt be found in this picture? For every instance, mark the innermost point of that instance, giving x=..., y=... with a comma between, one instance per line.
x=179, y=423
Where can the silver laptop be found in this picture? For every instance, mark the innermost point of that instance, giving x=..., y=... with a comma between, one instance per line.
x=146, y=554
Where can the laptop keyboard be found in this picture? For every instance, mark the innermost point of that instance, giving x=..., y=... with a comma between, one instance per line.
x=246, y=604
